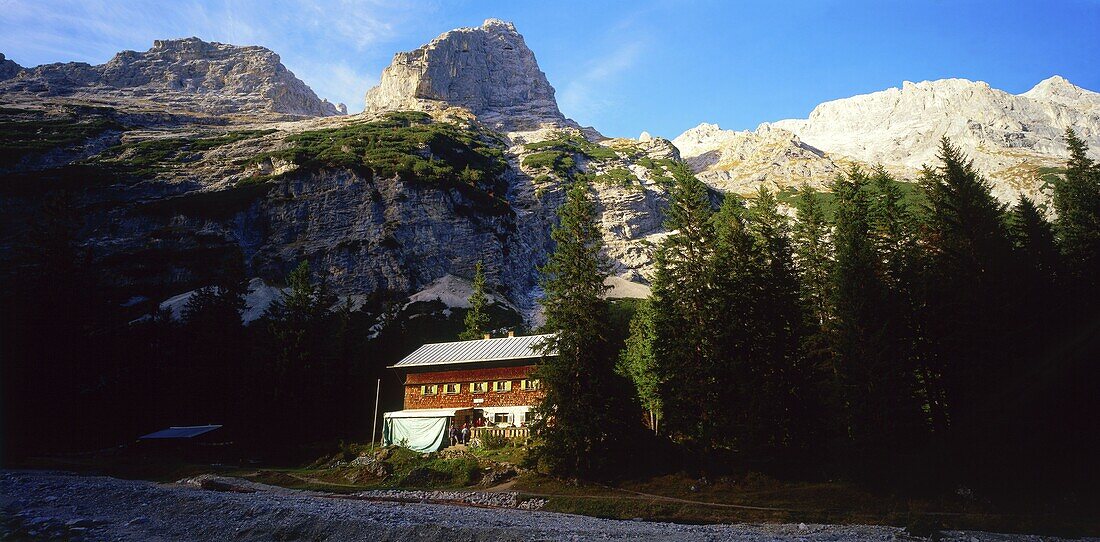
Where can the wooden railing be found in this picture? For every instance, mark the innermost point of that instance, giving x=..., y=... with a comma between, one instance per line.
x=506, y=432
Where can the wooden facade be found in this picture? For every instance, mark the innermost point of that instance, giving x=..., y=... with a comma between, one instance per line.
x=472, y=388
x=480, y=383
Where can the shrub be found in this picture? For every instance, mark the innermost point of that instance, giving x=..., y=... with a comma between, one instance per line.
x=493, y=442
x=410, y=145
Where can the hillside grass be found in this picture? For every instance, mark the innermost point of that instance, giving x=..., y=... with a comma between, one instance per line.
x=412, y=146
x=913, y=198
x=23, y=137
x=143, y=159
x=560, y=153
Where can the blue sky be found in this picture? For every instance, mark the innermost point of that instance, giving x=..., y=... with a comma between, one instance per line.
x=622, y=67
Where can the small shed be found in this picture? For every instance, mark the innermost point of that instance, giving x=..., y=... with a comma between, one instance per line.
x=181, y=432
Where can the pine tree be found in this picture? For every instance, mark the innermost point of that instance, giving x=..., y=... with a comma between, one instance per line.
x=637, y=362
x=732, y=367
x=813, y=253
x=1077, y=203
x=873, y=383
x=586, y=417
x=1033, y=237
x=297, y=323
x=684, y=320
x=782, y=399
x=969, y=298
x=477, y=320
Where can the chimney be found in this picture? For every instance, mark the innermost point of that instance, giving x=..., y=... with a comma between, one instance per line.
x=487, y=336
x=511, y=333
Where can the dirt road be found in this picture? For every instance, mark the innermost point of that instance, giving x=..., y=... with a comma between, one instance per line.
x=39, y=505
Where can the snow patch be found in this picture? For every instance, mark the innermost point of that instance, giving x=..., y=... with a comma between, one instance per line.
x=621, y=288
x=257, y=300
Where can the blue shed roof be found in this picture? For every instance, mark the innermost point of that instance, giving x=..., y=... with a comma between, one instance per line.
x=190, y=431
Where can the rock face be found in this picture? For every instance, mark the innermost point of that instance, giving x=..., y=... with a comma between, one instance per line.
x=1009, y=136
x=740, y=162
x=487, y=70
x=8, y=68
x=180, y=75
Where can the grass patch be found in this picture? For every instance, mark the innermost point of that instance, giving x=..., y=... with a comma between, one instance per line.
x=410, y=145
x=148, y=158
x=618, y=177
x=1048, y=176
x=913, y=198
x=559, y=154
x=22, y=138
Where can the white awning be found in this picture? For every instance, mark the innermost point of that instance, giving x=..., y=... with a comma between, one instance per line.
x=424, y=413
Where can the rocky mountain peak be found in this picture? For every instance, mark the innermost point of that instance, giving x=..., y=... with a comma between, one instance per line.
x=8, y=68
x=504, y=26
x=1058, y=89
x=488, y=70
x=1054, y=84
x=183, y=74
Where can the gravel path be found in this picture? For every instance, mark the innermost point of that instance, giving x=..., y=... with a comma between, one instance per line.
x=40, y=505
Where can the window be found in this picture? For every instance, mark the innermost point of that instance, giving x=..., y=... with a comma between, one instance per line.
x=502, y=417
x=502, y=385
x=430, y=389
x=451, y=389
x=529, y=384
x=479, y=387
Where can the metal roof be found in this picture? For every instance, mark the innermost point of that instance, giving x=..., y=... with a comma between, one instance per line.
x=504, y=348
x=181, y=432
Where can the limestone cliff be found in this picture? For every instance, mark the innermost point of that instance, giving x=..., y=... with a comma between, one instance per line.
x=178, y=75
x=741, y=162
x=487, y=70
x=1010, y=137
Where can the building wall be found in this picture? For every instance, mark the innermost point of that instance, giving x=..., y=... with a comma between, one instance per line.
x=465, y=398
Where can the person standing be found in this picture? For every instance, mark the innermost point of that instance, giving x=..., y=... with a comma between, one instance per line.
x=465, y=433
x=453, y=433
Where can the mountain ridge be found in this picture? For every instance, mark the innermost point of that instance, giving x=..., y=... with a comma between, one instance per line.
x=373, y=199
x=1010, y=137
x=178, y=74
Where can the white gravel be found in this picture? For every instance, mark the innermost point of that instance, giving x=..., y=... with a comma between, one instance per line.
x=40, y=505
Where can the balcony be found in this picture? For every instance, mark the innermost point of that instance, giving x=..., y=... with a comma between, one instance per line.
x=506, y=432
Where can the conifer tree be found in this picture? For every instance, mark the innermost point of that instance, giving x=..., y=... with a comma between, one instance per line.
x=586, y=417
x=873, y=383
x=1077, y=204
x=477, y=320
x=813, y=253
x=637, y=362
x=297, y=324
x=735, y=364
x=970, y=292
x=1033, y=237
x=684, y=319
x=782, y=405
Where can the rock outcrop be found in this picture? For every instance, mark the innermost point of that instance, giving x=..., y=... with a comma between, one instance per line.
x=179, y=75
x=1010, y=137
x=742, y=161
x=8, y=68
x=487, y=70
